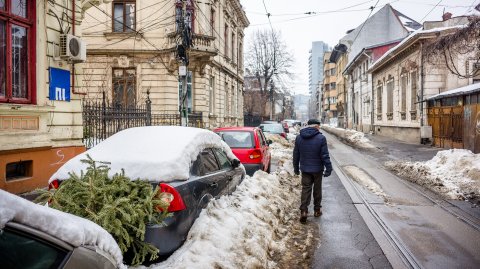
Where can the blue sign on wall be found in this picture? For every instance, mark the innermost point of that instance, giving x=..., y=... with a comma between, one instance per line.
x=59, y=84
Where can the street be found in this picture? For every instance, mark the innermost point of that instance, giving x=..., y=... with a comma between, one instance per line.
x=415, y=227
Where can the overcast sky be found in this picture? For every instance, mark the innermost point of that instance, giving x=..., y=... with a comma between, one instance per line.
x=300, y=30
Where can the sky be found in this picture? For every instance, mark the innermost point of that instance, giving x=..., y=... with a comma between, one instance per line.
x=299, y=30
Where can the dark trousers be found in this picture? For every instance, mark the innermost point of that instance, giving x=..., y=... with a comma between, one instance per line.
x=309, y=181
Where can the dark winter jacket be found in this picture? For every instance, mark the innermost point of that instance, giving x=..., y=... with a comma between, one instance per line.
x=311, y=152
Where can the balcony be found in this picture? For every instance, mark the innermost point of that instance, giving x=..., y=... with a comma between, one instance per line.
x=203, y=45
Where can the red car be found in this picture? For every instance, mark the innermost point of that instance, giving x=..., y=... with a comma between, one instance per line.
x=249, y=145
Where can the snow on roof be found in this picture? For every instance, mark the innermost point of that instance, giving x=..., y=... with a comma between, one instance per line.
x=416, y=33
x=153, y=153
x=458, y=91
x=73, y=230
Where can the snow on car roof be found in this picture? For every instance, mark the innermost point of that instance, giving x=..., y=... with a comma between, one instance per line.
x=69, y=228
x=153, y=153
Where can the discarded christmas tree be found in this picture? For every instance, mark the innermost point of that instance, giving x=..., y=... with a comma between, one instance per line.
x=121, y=206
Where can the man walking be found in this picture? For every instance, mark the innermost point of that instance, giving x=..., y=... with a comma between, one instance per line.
x=311, y=152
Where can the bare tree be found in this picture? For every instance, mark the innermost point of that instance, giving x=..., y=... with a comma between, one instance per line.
x=268, y=58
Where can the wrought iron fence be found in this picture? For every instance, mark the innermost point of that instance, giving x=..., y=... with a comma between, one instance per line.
x=101, y=119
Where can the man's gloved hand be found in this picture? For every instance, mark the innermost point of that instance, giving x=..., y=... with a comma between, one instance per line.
x=296, y=172
x=327, y=173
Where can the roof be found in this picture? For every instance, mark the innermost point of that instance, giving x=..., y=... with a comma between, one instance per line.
x=409, y=24
x=355, y=59
x=472, y=88
x=337, y=51
x=152, y=153
x=407, y=42
x=69, y=228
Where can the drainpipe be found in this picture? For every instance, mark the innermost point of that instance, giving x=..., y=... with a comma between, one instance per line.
x=422, y=82
x=372, y=100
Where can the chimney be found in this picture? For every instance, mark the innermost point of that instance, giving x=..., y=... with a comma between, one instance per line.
x=446, y=16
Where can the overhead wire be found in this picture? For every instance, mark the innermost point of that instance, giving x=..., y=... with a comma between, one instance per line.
x=430, y=11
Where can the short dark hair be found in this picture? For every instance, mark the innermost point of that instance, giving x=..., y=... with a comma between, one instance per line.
x=313, y=121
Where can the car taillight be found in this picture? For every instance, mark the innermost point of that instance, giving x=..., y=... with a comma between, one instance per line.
x=54, y=184
x=172, y=196
x=255, y=154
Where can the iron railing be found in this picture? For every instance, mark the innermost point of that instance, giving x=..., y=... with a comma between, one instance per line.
x=102, y=120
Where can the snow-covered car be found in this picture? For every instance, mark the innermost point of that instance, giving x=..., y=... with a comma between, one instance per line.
x=35, y=236
x=193, y=165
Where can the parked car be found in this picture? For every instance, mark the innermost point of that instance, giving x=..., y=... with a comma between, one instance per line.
x=35, y=236
x=270, y=122
x=274, y=128
x=192, y=164
x=249, y=145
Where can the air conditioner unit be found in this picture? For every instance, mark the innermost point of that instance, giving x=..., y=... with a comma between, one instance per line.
x=72, y=48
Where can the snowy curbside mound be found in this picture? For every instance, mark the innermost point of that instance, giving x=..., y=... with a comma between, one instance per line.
x=74, y=230
x=453, y=173
x=353, y=137
x=252, y=228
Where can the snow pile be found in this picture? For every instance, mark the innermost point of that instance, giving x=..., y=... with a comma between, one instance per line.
x=277, y=139
x=353, y=137
x=154, y=153
x=252, y=228
x=366, y=180
x=454, y=173
x=74, y=230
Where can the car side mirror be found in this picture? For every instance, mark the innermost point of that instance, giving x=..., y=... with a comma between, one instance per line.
x=269, y=141
x=235, y=163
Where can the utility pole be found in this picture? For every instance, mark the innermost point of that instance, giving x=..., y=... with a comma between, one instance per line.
x=184, y=32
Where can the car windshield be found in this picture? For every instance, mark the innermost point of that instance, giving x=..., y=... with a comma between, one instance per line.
x=237, y=139
x=273, y=128
x=21, y=251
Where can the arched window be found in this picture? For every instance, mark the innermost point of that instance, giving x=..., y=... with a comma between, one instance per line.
x=390, y=86
x=379, y=99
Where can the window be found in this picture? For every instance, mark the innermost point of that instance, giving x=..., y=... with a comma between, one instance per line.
x=225, y=37
x=205, y=163
x=226, y=99
x=212, y=94
x=20, y=250
x=238, y=139
x=240, y=54
x=233, y=101
x=476, y=73
x=189, y=18
x=413, y=90
x=189, y=92
x=261, y=138
x=403, y=104
x=124, y=16
x=379, y=99
x=390, y=95
x=124, y=90
x=333, y=86
x=223, y=159
x=212, y=21
x=17, y=50
x=233, y=47
x=18, y=170
x=333, y=71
